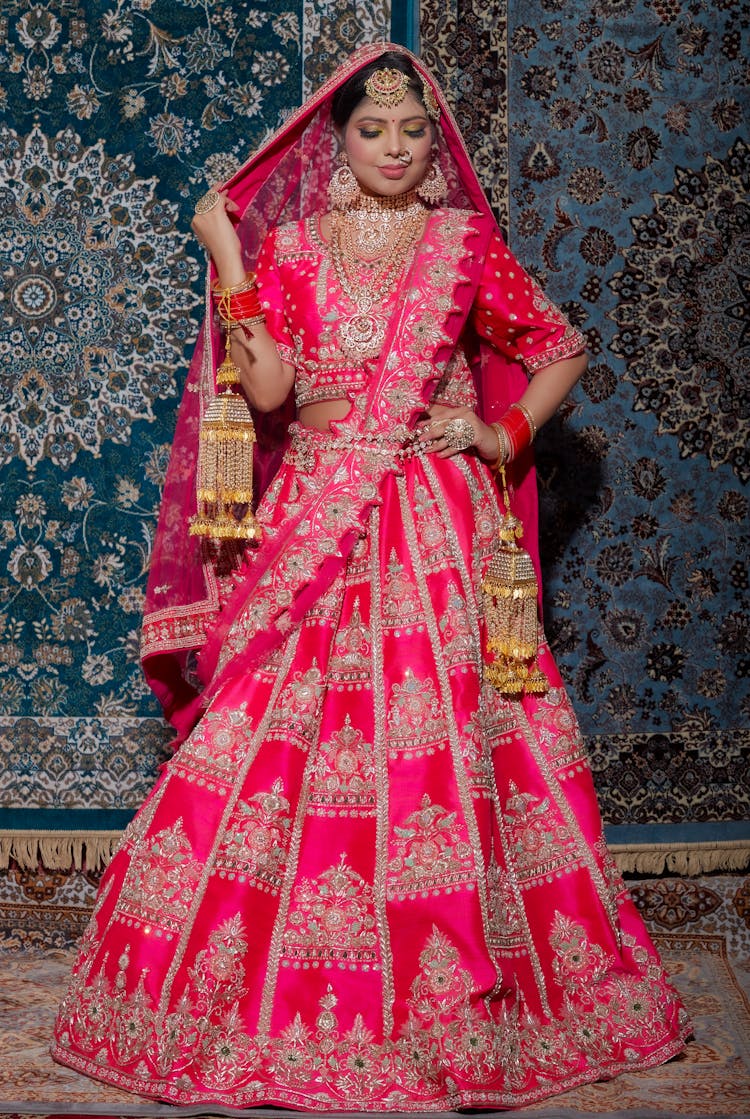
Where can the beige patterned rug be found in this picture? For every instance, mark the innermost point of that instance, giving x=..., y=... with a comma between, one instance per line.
x=701, y=926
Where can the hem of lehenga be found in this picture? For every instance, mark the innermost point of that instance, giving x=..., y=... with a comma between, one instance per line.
x=276, y=1095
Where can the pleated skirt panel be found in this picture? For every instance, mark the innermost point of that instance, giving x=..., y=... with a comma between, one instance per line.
x=367, y=881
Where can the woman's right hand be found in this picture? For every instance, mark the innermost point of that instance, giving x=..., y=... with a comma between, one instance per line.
x=217, y=232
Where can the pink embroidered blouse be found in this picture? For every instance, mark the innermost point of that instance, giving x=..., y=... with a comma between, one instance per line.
x=303, y=302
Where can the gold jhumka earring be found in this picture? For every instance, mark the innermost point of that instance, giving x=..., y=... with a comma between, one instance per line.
x=433, y=187
x=343, y=188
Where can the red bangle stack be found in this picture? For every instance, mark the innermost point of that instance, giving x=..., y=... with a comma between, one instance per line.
x=239, y=304
x=520, y=429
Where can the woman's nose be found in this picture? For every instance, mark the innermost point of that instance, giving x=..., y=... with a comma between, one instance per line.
x=393, y=140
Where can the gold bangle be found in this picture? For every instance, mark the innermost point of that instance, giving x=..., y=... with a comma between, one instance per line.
x=529, y=419
x=256, y=320
x=248, y=283
x=504, y=449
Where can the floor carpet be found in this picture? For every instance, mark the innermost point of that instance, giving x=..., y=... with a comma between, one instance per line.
x=701, y=927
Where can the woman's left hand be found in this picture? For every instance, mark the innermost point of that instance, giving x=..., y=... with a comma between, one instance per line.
x=464, y=430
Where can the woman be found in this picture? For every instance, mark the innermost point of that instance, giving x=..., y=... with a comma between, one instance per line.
x=368, y=878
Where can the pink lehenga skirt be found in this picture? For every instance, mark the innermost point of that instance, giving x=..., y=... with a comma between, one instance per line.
x=367, y=881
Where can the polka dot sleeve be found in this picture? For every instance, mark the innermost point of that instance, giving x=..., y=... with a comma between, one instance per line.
x=513, y=314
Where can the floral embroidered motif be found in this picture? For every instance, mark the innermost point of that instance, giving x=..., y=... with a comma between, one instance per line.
x=539, y=843
x=431, y=532
x=429, y=852
x=558, y=731
x=475, y=754
x=135, y=1022
x=161, y=880
x=344, y=774
x=212, y=752
x=296, y=715
x=401, y=603
x=254, y=844
x=577, y=963
x=456, y=629
x=442, y=985
x=416, y=723
x=351, y=660
x=217, y=976
x=504, y=918
x=332, y=919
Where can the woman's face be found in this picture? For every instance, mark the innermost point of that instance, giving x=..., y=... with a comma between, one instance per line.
x=374, y=137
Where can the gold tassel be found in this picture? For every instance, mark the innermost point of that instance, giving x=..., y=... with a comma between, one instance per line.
x=510, y=596
x=225, y=461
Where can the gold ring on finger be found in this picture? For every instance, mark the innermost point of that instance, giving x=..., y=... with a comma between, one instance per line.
x=207, y=202
x=459, y=434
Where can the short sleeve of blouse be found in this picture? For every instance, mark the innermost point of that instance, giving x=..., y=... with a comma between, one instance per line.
x=513, y=314
x=270, y=291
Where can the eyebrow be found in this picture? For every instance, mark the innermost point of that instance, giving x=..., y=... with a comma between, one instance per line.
x=384, y=120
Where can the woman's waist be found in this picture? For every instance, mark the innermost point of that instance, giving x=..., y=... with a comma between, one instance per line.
x=400, y=442
x=321, y=383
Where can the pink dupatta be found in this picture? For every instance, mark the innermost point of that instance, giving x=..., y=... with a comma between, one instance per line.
x=189, y=644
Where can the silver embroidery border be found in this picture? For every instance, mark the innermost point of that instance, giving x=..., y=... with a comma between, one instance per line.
x=471, y=593
x=467, y=806
x=388, y=996
x=252, y=751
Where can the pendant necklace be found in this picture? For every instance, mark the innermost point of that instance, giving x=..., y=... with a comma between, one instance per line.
x=369, y=246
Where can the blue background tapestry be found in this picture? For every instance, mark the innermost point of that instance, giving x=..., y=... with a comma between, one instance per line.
x=114, y=119
x=609, y=137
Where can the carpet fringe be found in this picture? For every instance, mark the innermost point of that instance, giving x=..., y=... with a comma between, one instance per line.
x=58, y=850
x=686, y=859
x=76, y=849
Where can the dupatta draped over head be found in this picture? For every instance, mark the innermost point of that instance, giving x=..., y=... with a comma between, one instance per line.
x=185, y=626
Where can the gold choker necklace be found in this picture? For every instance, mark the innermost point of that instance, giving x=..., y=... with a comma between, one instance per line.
x=383, y=203
x=374, y=225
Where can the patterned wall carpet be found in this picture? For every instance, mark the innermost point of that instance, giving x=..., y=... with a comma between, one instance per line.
x=609, y=136
x=624, y=188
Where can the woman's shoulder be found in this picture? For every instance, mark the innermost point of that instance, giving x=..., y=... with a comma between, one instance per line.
x=451, y=223
x=456, y=216
x=291, y=238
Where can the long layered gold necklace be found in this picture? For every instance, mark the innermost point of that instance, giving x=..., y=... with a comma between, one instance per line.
x=370, y=244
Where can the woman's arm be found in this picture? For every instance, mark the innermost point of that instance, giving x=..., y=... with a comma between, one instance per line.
x=550, y=385
x=546, y=391
x=513, y=316
x=266, y=380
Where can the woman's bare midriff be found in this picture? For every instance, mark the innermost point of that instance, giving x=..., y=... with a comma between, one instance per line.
x=320, y=415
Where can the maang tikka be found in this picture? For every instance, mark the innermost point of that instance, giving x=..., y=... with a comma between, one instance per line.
x=387, y=88
x=343, y=188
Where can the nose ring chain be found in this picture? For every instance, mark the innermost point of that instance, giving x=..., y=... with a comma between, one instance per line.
x=405, y=157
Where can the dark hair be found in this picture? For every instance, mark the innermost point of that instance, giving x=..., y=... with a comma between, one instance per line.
x=349, y=95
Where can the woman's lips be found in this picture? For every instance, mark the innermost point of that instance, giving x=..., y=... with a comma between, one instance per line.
x=397, y=171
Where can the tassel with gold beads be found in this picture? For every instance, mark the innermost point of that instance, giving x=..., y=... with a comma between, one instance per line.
x=227, y=440
x=510, y=597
